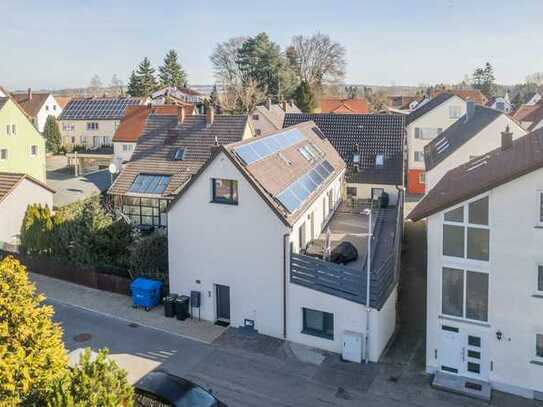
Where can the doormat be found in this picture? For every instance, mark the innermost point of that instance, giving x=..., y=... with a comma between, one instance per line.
x=222, y=323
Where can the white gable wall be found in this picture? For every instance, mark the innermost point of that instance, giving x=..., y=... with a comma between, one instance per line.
x=515, y=307
x=485, y=141
x=13, y=208
x=438, y=118
x=49, y=108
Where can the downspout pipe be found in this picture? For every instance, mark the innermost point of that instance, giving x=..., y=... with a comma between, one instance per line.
x=286, y=257
x=368, y=282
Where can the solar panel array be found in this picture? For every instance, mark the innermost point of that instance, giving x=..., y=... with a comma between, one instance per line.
x=149, y=184
x=297, y=192
x=265, y=147
x=97, y=109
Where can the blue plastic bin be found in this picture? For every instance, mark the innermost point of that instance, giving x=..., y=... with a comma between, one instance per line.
x=145, y=293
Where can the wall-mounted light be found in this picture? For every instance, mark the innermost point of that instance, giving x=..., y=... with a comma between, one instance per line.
x=499, y=335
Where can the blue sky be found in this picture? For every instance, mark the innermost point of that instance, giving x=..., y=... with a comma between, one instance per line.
x=58, y=44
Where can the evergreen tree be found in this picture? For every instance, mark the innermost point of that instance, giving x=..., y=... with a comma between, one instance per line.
x=171, y=73
x=484, y=80
x=304, y=98
x=134, y=86
x=32, y=356
x=98, y=382
x=51, y=133
x=146, y=77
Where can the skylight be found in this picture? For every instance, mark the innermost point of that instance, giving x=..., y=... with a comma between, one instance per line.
x=149, y=184
x=179, y=154
x=379, y=160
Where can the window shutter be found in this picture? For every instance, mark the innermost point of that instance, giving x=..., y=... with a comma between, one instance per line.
x=417, y=132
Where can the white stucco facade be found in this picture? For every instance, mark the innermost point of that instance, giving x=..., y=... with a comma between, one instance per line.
x=508, y=358
x=440, y=117
x=122, y=151
x=49, y=108
x=89, y=133
x=13, y=208
x=246, y=247
x=485, y=141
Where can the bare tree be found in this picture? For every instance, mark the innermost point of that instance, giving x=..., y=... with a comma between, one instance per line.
x=317, y=59
x=378, y=100
x=535, y=78
x=95, y=85
x=116, y=85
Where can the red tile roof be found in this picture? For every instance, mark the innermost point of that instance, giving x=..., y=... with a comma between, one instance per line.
x=529, y=113
x=468, y=94
x=33, y=105
x=9, y=180
x=336, y=105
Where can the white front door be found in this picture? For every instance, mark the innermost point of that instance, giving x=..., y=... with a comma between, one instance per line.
x=450, y=350
x=475, y=356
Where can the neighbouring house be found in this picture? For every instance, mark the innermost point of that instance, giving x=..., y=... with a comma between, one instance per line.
x=3, y=92
x=372, y=145
x=485, y=271
x=401, y=101
x=534, y=99
x=502, y=103
x=172, y=148
x=476, y=133
x=530, y=117
x=38, y=106
x=90, y=123
x=339, y=105
x=132, y=126
x=179, y=96
x=22, y=147
x=268, y=118
x=241, y=231
x=424, y=124
x=17, y=191
x=475, y=95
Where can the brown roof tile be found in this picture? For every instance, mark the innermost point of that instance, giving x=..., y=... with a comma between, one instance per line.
x=9, y=180
x=337, y=105
x=33, y=105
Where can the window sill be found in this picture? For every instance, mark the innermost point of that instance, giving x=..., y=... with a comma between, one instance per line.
x=536, y=362
x=224, y=203
x=465, y=321
x=317, y=334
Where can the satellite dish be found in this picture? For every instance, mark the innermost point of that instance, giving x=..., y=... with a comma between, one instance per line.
x=113, y=168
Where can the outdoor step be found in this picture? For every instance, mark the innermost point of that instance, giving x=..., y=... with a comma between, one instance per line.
x=463, y=385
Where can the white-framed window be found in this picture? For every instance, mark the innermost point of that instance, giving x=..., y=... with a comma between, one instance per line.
x=464, y=293
x=3, y=154
x=422, y=178
x=455, y=112
x=539, y=346
x=92, y=125
x=466, y=231
x=419, y=156
x=67, y=127
x=427, y=133
x=33, y=150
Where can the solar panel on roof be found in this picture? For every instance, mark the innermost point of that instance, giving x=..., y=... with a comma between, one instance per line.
x=296, y=193
x=263, y=148
x=149, y=184
x=85, y=109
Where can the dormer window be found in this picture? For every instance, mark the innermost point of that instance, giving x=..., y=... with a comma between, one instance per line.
x=179, y=154
x=356, y=158
x=379, y=160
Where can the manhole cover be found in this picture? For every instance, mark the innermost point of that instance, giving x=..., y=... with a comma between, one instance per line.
x=133, y=325
x=82, y=337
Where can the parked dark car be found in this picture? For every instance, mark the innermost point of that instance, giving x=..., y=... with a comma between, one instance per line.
x=344, y=253
x=160, y=389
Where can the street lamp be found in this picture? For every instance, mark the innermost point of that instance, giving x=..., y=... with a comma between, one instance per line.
x=368, y=213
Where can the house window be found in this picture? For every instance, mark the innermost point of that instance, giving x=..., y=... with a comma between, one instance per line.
x=73, y=140
x=92, y=125
x=318, y=323
x=179, y=154
x=33, y=150
x=422, y=178
x=351, y=191
x=224, y=191
x=146, y=211
x=47, y=108
x=467, y=238
x=4, y=154
x=539, y=345
x=465, y=294
x=539, y=278
x=54, y=107
x=419, y=156
x=8, y=129
x=256, y=117
x=454, y=112
x=427, y=133
x=13, y=129
x=125, y=147
x=540, y=207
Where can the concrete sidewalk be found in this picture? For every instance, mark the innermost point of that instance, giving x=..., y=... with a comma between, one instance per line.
x=120, y=307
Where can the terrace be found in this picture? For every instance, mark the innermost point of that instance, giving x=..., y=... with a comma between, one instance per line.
x=350, y=223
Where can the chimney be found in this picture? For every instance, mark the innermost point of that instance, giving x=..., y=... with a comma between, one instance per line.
x=470, y=110
x=29, y=94
x=180, y=114
x=210, y=115
x=507, y=139
x=268, y=104
x=284, y=105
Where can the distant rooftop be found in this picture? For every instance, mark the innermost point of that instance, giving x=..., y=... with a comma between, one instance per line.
x=97, y=108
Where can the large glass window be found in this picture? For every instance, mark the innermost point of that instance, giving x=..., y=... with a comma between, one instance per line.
x=146, y=211
x=224, y=191
x=465, y=294
x=318, y=323
x=467, y=238
x=453, y=292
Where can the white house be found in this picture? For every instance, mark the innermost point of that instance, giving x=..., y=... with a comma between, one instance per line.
x=268, y=118
x=485, y=272
x=38, y=106
x=476, y=133
x=502, y=103
x=424, y=124
x=17, y=191
x=238, y=232
x=534, y=99
x=91, y=122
